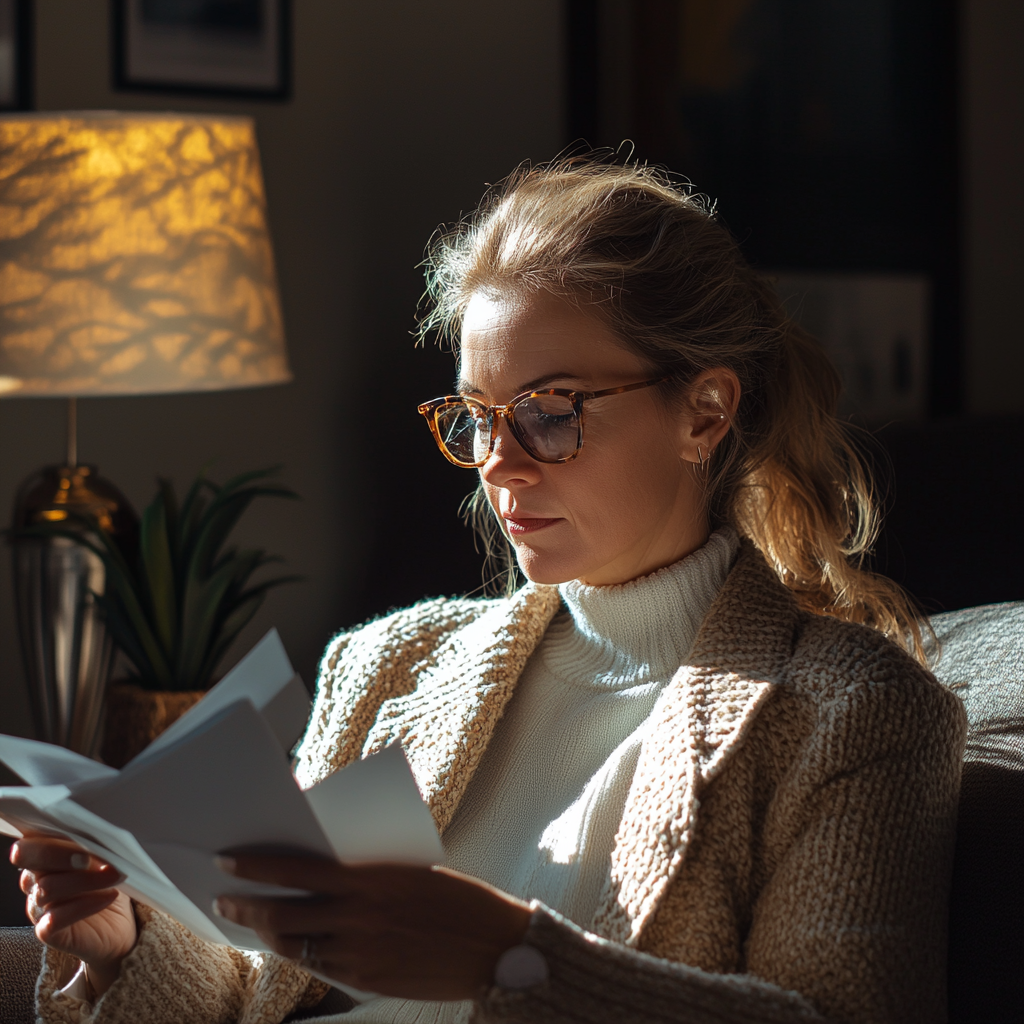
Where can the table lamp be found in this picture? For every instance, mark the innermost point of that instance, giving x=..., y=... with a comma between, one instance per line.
x=134, y=259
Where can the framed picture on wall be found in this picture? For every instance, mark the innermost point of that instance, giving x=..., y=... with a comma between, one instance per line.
x=15, y=54
x=207, y=47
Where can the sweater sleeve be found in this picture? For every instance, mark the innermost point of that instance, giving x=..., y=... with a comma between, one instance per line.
x=850, y=925
x=594, y=981
x=171, y=976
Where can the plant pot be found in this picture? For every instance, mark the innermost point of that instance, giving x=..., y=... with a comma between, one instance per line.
x=135, y=717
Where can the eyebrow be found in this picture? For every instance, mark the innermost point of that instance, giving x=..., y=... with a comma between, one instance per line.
x=465, y=387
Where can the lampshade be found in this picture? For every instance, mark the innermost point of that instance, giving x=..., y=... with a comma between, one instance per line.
x=134, y=256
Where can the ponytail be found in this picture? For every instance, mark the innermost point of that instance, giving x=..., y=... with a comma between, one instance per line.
x=807, y=500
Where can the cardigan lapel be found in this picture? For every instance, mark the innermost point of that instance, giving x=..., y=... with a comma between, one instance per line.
x=445, y=724
x=700, y=720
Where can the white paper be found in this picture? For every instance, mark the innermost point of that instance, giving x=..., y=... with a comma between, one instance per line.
x=372, y=811
x=45, y=764
x=225, y=785
x=220, y=781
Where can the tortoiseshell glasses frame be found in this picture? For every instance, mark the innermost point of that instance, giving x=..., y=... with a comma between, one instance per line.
x=547, y=424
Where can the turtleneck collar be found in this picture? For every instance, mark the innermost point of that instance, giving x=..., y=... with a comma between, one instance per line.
x=643, y=629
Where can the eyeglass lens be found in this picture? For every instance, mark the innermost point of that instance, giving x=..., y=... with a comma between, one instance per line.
x=545, y=425
x=548, y=426
x=463, y=431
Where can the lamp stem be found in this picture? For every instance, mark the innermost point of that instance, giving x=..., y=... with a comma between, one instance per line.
x=72, y=433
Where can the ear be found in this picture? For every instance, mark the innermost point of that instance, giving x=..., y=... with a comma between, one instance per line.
x=713, y=399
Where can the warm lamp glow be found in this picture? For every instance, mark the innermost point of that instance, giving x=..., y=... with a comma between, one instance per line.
x=134, y=256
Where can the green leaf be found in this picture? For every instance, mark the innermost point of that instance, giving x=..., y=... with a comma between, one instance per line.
x=124, y=635
x=176, y=609
x=203, y=596
x=158, y=566
x=230, y=627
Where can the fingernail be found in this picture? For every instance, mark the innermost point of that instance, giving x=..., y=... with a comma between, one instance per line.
x=13, y=852
x=217, y=908
x=226, y=864
x=80, y=861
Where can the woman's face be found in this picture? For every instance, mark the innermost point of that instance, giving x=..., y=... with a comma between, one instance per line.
x=629, y=503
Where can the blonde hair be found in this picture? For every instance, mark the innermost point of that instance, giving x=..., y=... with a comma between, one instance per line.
x=648, y=257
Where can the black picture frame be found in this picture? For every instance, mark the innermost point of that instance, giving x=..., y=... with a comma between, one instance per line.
x=16, y=25
x=191, y=47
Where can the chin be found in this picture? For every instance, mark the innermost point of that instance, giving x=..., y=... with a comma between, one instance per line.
x=546, y=568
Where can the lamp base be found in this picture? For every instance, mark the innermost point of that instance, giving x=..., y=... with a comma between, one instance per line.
x=67, y=651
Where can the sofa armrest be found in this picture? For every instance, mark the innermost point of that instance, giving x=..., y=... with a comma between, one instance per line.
x=21, y=955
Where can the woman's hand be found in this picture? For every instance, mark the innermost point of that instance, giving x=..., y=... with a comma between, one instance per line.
x=74, y=906
x=410, y=932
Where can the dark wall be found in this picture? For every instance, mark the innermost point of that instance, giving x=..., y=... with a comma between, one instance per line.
x=954, y=491
x=878, y=136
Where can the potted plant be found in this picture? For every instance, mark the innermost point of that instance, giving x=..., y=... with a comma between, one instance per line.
x=175, y=605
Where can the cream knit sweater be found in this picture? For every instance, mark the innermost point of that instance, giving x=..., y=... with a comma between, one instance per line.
x=540, y=816
x=783, y=854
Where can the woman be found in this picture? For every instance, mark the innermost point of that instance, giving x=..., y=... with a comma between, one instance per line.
x=692, y=740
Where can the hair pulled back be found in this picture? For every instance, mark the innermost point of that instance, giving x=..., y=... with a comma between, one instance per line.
x=649, y=259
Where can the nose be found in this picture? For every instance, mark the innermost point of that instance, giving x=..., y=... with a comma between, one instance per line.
x=508, y=464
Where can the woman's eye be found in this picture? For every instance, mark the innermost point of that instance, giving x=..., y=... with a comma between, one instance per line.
x=549, y=413
x=552, y=419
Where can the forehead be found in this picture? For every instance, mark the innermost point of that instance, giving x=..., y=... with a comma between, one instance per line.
x=510, y=341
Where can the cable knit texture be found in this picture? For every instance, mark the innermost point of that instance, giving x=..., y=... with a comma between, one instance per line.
x=783, y=855
x=540, y=816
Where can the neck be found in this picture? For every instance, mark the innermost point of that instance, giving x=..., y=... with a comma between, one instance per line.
x=635, y=565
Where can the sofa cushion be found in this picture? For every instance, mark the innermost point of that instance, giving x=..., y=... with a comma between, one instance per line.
x=982, y=660
x=21, y=955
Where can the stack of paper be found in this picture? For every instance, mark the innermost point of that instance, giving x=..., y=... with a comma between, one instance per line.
x=217, y=779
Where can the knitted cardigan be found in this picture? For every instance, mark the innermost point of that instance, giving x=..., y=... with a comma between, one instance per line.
x=784, y=854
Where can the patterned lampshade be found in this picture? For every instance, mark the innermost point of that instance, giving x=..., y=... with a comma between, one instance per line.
x=134, y=256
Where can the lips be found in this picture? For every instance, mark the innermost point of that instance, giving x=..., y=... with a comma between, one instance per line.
x=520, y=525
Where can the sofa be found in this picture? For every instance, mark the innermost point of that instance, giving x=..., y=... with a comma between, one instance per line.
x=982, y=660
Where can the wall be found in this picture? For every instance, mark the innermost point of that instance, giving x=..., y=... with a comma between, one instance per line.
x=402, y=111
x=992, y=95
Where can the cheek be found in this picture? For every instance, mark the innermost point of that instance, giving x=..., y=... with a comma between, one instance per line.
x=617, y=494
x=493, y=504
x=633, y=463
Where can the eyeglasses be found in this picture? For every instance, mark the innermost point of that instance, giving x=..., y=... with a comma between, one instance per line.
x=548, y=424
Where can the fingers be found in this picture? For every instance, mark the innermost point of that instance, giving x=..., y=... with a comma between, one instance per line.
x=59, y=886
x=42, y=854
x=331, y=877
x=293, y=930
x=317, y=874
x=268, y=916
x=56, y=871
x=63, y=882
